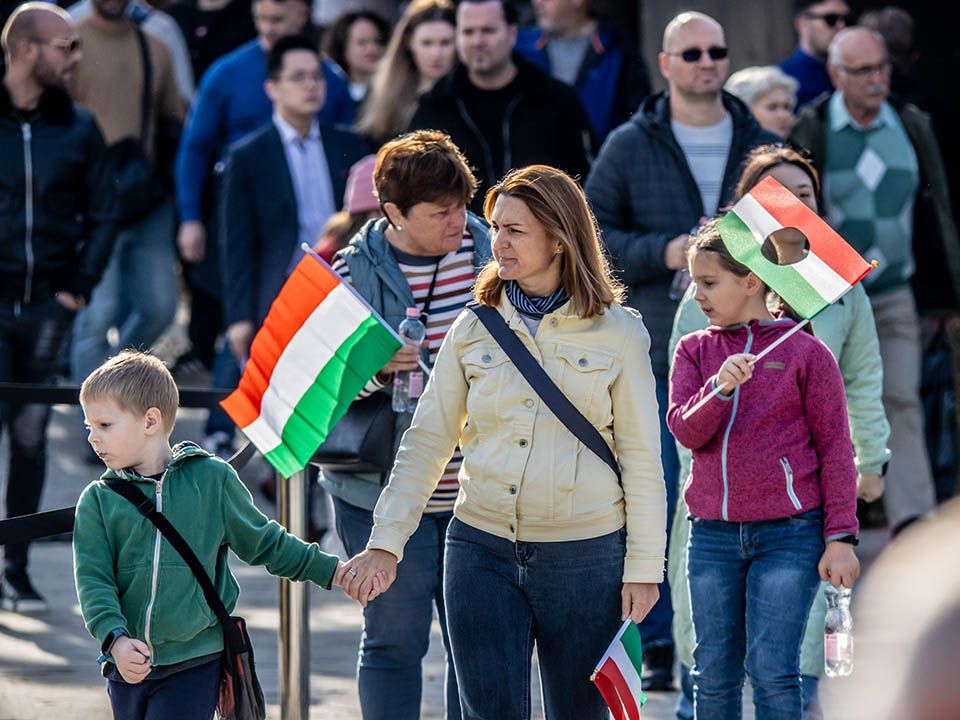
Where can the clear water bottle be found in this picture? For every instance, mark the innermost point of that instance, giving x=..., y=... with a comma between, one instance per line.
x=838, y=633
x=408, y=384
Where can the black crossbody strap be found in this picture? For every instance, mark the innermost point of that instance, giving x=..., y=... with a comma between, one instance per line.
x=147, y=508
x=147, y=87
x=548, y=391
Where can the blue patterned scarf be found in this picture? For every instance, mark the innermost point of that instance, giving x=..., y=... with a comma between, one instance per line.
x=534, y=306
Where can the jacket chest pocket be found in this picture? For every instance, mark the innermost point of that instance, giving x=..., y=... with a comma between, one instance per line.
x=585, y=375
x=487, y=370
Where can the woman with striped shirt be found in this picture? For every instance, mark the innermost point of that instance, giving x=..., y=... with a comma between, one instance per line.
x=424, y=253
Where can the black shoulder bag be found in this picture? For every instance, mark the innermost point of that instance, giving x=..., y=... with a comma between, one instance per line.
x=241, y=697
x=137, y=186
x=541, y=383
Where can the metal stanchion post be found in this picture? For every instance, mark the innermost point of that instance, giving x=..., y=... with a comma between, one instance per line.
x=294, y=610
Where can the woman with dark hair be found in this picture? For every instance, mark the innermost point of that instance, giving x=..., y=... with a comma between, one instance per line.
x=355, y=42
x=550, y=544
x=420, y=52
x=424, y=253
x=848, y=330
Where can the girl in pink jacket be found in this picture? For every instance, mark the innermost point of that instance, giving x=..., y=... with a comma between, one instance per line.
x=772, y=493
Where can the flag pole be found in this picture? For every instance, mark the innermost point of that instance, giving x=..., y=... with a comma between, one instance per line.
x=316, y=256
x=606, y=654
x=716, y=391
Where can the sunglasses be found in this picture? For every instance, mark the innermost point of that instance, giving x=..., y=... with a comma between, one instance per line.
x=831, y=19
x=67, y=45
x=692, y=55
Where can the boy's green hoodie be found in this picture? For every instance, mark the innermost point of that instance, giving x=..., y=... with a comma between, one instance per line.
x=129, y=576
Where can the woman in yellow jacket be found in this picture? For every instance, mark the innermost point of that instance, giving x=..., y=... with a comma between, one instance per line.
x=547, y=547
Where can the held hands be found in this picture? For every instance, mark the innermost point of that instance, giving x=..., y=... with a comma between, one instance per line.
x=637, y=599
x=870, y=487
x=132, y=658
x=736, y=370
x=839, y=564
x=367, y=575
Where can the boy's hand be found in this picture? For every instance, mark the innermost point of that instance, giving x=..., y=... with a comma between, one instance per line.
x=735, y=370
x=869, y=487
x=839, y=564
x=637, y=599
x=366, y=575
x=132, y=658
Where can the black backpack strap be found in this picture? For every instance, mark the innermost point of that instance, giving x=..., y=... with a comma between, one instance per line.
x=541, y=383
x=147, y=508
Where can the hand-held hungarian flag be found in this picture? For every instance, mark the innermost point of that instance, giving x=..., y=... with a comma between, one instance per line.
x=317, y=348
x=830, y=268
x=617, y=676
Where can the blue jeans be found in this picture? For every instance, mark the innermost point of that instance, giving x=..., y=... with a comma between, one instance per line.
x=137, y=294
x=502, y=597
x=656, y=626
x=396, y=625
x=751, y=588
x=226, y=374
x=187, y=695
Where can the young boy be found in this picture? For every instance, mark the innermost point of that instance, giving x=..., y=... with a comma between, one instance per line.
x=138, y=597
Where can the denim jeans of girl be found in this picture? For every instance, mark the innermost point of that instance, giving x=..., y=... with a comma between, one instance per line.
x=396, y=625
x=751, y=587
x=503, y=598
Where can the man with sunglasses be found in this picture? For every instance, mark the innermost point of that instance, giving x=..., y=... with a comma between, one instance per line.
x=817, y=23
x=674, y=163
x=885, y=191
x=58, y=224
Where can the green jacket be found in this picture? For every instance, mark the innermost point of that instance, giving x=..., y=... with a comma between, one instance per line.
x=128, y=576
x=849, y=331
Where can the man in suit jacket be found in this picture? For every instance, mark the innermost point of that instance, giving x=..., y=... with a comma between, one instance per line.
x=281, y=185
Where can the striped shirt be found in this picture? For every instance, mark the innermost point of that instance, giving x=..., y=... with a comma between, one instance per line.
x=452, y=291
x=706, y=150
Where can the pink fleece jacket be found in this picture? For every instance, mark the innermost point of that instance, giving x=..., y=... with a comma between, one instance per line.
x=780, y=444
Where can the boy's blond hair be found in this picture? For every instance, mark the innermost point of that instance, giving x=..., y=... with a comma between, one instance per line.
x=136, y=381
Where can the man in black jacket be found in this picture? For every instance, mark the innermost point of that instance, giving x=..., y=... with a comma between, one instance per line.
x=673, y=164
x=57, y=225
x=502, y=111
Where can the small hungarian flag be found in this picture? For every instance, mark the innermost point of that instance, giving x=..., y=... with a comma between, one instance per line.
x=617, y=676
x=830, y=268
x=317, y=348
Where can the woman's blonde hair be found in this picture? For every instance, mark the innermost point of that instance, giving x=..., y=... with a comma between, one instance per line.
x=392, y=100
x=559, y=205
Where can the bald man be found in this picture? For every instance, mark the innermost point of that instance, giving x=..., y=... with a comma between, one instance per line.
x=57, y=215
x=885, y=192
x=673, y=164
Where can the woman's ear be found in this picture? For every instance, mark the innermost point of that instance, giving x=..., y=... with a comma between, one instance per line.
x=392, y=211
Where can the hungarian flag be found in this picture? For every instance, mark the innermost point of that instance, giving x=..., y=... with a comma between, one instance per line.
x=318, y=347
x=617, y=676
x=830, y=268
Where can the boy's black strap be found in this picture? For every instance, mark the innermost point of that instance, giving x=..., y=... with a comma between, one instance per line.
x=541, y=383
x=147, y=508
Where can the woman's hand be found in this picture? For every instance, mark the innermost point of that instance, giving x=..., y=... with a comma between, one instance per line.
x=406, y=358
x=367, y=575
x=735, y=370
x=637, y=599
x=839, y=564
x=132, y=658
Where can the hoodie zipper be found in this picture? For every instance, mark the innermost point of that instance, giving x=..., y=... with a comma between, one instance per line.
x=156, y=571
x=487, y=152
x=788, y=475
x=28, y=208
x=726, y=436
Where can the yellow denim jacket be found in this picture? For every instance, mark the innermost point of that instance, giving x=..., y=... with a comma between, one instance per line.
x=525, y=476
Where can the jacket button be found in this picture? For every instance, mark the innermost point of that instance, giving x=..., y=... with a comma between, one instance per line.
x=513, y=489
x=511, y=528
x=553, y=322
x=486, y=358
x=582, y=362
x=523, y=443
x=528, y=403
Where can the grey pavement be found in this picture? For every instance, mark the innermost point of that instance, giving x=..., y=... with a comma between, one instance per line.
x=48, y=662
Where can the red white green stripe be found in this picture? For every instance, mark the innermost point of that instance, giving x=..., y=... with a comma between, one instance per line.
x=617, y=676
x=830, y=268
x=315, y=351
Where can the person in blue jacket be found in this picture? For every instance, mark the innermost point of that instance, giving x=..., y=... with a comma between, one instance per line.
x=570, y=45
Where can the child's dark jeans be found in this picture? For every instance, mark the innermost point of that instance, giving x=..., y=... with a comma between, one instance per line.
x=187, y=695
